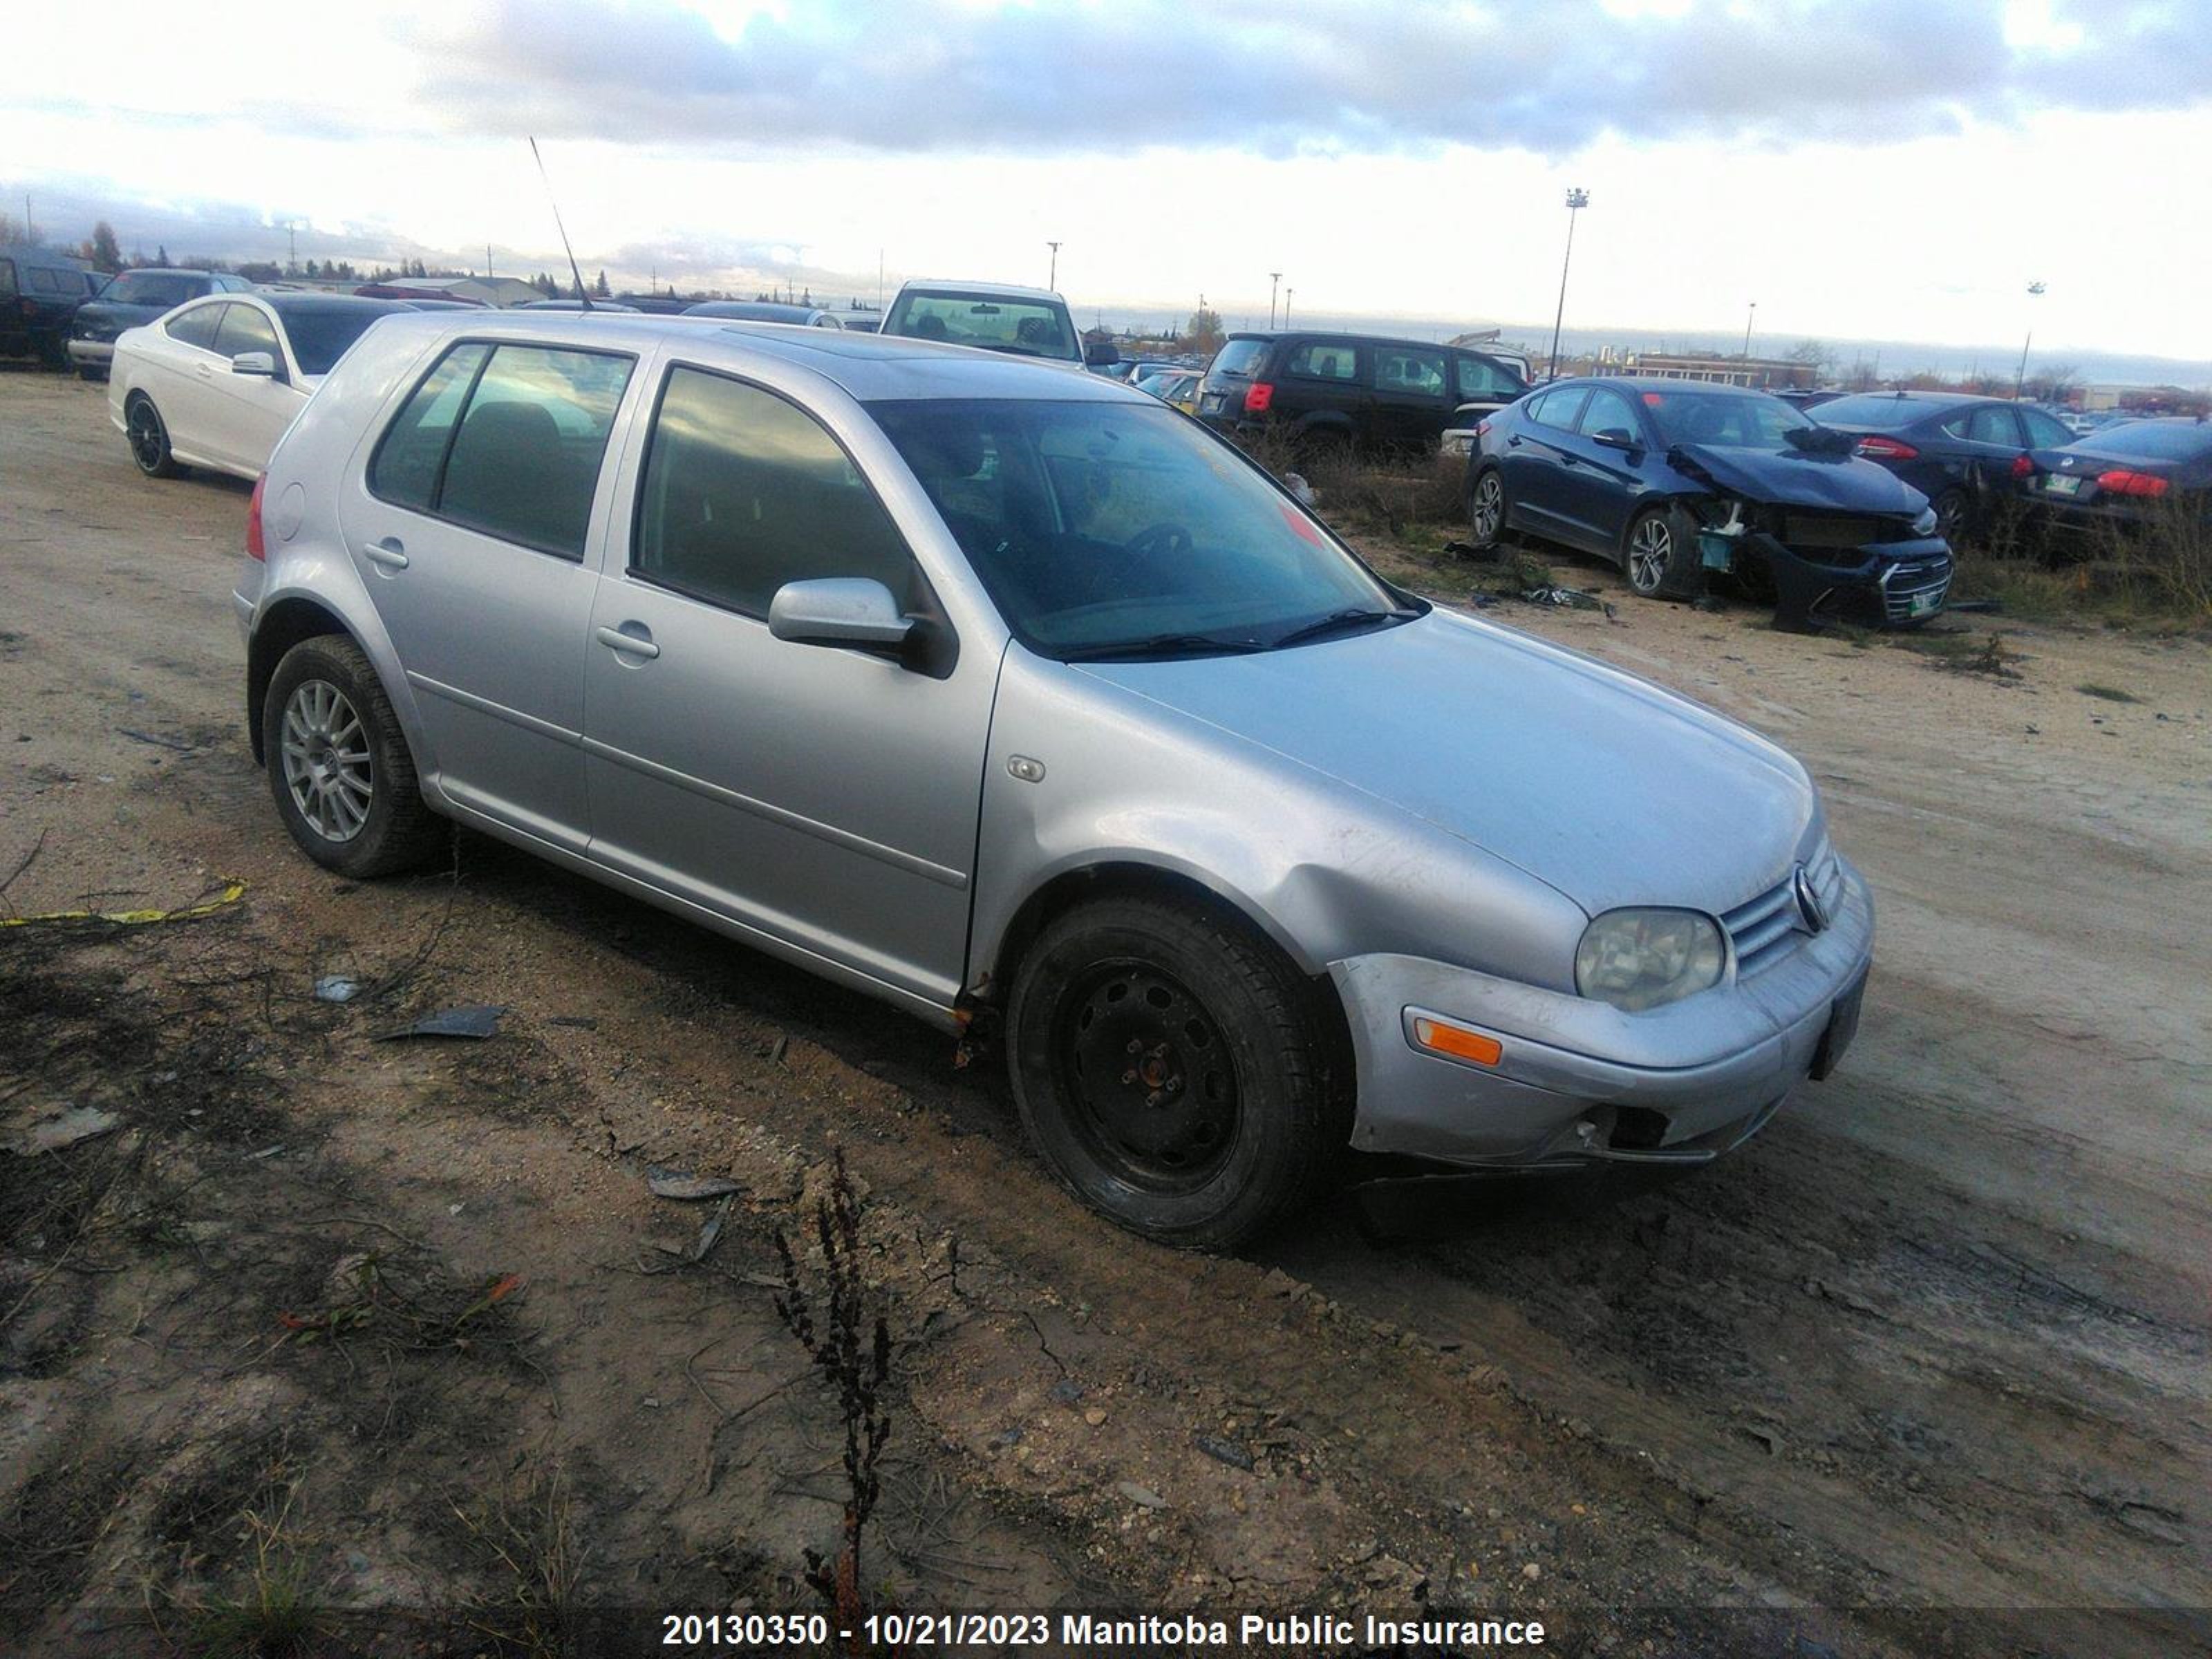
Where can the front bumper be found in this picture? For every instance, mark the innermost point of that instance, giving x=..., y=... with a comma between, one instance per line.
x=92, y=354
x=1579, y=1080
x=1884, y=584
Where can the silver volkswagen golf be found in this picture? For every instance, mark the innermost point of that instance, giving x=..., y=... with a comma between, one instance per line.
x=1009, y=695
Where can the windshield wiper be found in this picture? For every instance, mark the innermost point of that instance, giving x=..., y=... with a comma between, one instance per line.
x=1336, y=619
x=1161, y=645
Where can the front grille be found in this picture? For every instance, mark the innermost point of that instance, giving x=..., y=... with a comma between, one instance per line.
x=1907, y=582
x=1765, y=929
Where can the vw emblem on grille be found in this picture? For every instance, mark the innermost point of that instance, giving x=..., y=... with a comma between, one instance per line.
x=2065, y=460
x=1810, y=905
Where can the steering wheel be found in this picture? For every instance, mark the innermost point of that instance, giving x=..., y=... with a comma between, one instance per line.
x=1167, y=538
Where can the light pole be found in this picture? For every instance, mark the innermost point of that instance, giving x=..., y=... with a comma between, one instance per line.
x=1289, y=293
x=1747, y=322
x=1273, y=277
x=1053, y=281
x=1578, y=199
x=2019, y=379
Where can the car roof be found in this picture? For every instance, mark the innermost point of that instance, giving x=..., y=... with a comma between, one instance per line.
x=1639, y=383
x=866, y=366
x=996, y=290
x=287, y=304
x=1348, y=334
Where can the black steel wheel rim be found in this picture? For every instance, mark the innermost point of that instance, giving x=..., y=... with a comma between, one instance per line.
x=1147, y=1076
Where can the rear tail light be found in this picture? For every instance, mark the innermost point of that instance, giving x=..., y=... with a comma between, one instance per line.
x=1879, y=448
x=2122, y=482
x=255, y=547
x=1258, y=397
x=2022, y=467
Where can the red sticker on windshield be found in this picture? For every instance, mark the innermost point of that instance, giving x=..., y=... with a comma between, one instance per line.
x=1655, y=398
x=1300, y=523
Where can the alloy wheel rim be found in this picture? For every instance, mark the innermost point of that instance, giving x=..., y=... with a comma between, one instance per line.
x=1648, y=554
x=145, y=436
x=1487, y=514
x=325, y=752
x=1148, y=1073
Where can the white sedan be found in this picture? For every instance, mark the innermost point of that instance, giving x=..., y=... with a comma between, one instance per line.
x=215, y=382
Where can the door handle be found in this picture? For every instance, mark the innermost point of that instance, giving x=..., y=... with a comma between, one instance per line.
x=1566, y=459
x=1513, y=442
x=389, y=553
x=639, y=644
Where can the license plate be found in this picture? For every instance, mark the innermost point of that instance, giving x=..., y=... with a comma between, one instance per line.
x=1212, y=401
x=1924, y=604
x=1843, y=1026
x=2059, y=484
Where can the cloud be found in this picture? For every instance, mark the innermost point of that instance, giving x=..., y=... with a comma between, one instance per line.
x=1321, y=77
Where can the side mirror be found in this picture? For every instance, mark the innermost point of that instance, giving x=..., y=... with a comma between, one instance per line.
x=838, y=610
x=1614, y=438
x=1100, y=353
x=259, y=363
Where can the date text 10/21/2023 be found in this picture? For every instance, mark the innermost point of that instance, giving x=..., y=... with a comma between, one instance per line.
x=1096, y=1632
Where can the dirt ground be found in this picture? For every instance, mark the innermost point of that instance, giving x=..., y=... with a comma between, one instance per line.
x=388, y=1345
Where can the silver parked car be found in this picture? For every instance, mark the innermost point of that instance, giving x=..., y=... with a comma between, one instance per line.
x=1008, y=694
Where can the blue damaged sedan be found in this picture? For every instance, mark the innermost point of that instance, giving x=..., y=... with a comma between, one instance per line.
x=1671, y=479
x=1027, y=706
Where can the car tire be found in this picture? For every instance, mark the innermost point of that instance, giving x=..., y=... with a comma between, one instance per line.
x=1169, y=1067
x=147, y=436
x=339, y=767
x=1660, y=555
x=1486, y=510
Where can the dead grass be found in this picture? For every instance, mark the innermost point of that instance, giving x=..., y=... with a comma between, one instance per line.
x=528, y=1539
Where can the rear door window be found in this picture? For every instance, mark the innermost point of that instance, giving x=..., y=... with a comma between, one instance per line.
x=506, y=440
x=45, y=280
x=195, y=326
x=1398, y=368
x=744, y=491
x=1323, y=360
x=1986, y=424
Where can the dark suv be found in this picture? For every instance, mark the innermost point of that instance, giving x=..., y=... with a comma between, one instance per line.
x=136, y=297
x=1362, y=389
x=40, y=292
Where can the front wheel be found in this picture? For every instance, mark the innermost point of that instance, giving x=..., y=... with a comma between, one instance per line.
x=1661, y=555
x=338, y=766
x=148, y=438
x=1485, y=510
x=1172, y=1071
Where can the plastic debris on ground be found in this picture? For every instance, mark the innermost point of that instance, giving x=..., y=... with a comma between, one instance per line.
x=57, y=1129
x=681, y=1185
x=478, y=1020
x=336, y=987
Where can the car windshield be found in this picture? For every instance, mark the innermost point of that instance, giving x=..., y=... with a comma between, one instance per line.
x=320, y=335
x=1025, y=327
x=139, y=288
x=2152, y=441
x=1104, y=528
x=1727, y=420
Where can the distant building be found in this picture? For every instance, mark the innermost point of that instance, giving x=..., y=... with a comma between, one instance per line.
x=1764, y=374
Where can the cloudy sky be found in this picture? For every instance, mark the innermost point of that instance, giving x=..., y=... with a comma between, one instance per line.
x=1894, y=169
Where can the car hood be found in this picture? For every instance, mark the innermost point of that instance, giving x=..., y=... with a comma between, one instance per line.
x=118, y=313
x=1847, y=484
x=1602, y=786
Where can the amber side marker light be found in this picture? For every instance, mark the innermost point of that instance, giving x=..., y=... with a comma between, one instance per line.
x=1440, y=1038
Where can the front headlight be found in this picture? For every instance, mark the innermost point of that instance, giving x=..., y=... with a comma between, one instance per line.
x=1637, y=959
x=1926, y=523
